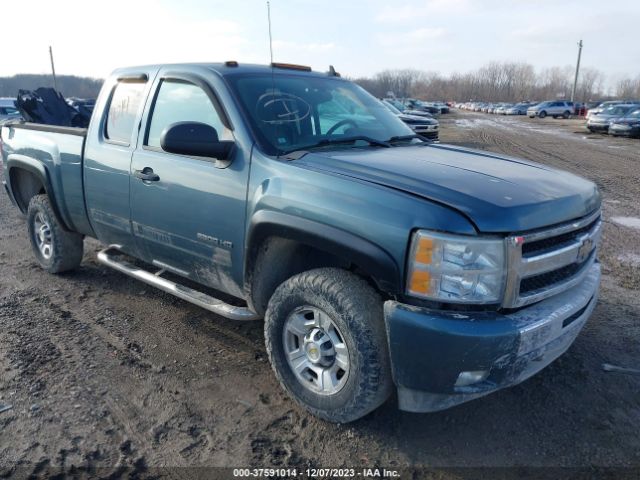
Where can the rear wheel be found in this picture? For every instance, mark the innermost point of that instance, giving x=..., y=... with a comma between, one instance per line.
x=566, y=114
x=56, y=249
x=542, y=114
x=325, y=336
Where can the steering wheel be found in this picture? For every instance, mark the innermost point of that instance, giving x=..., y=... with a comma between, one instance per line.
x=341, y=123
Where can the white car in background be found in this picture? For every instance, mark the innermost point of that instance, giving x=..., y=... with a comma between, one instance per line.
x=518, y=109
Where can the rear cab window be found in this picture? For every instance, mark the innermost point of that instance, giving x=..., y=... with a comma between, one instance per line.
x=123, y=110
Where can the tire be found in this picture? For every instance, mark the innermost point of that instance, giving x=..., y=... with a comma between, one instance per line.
x=542, y=114
x=354, y=310
x=56, y=249
x=566, y=114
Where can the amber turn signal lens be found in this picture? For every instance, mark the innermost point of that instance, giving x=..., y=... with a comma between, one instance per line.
x=424, y=252
x=420, y=281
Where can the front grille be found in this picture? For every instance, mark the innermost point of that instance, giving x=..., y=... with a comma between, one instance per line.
x=545, y=245
x=545, y=280
x=544, y=263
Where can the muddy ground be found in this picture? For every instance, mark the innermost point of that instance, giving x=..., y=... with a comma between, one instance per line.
x=103, y=372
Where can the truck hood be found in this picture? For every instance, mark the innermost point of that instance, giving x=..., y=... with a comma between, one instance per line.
x=498, y=194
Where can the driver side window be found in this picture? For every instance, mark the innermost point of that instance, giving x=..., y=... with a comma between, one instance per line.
x=179, y=101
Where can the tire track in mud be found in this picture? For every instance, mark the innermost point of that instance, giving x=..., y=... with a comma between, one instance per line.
x=42, y=354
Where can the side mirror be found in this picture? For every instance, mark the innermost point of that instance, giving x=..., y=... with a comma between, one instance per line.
x=195, y=139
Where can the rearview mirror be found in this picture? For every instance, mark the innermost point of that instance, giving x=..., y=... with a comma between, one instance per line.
x=195, y=139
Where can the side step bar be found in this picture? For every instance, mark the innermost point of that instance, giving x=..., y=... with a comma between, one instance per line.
x=203, y=300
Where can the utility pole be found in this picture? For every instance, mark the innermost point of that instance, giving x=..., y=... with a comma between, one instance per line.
x=575, y=80
x=53, y=69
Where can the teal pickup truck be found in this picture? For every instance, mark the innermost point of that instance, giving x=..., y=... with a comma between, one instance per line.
x=378, y=260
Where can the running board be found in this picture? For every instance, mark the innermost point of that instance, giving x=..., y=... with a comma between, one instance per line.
x=200, y=299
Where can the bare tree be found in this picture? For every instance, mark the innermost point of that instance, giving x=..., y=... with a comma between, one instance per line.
x=628, y=88
x=495, y=81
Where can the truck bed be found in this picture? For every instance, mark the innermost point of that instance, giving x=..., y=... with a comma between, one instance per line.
x=60, y=152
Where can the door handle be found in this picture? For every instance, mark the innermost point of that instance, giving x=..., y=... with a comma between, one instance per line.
x=146, y=175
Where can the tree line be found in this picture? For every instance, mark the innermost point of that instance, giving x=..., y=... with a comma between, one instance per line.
x=68, y=85
x=494, y=82
x=498, y=81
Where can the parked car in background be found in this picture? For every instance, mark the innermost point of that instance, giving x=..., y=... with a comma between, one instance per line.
x=8, y=109
x=502, y=108
x=413, y=104
x=7, y=102
x=444, y=108
x=408, y=111
x=426, y=126
x=81, y=103
x=554, y=108
x=517, y=109
x=9, y=113
x=600, y=123
x=627, y=126
x=603, y=105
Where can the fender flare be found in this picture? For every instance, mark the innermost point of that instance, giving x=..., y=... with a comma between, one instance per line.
x=357, y=250
x=20, y=162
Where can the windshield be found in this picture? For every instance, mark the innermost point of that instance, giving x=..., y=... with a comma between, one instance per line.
x=634, y=114
x=616, y=110
x=289, y=112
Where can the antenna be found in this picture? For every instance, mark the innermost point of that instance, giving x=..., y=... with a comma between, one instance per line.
x=270, y=37
x=53, y=69
x=273, y=76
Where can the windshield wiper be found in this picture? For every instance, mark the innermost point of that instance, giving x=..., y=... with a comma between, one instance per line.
x=402, y=138
x=325, y=142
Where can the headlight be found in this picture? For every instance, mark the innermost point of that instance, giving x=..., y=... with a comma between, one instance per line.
x=455, y=268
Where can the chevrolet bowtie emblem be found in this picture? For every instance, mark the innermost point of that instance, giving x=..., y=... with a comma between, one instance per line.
x=585, y=250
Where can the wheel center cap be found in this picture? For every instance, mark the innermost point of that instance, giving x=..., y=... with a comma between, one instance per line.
x=313, y=351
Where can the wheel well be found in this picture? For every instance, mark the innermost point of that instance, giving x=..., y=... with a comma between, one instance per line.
x=25, y=185
x=277, y=259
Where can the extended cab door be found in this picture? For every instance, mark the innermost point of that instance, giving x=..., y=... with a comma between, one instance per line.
x=111, y=139
x=190, y=218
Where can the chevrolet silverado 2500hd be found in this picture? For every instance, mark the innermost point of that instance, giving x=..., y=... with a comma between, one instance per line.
x=377, y=259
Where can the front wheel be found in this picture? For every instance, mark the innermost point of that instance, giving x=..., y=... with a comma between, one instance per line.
x=566, y=114
x=542, y=114
x=56, y=249
x=325, y=336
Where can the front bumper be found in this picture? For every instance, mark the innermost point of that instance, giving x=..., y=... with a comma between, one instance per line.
x=429, y=348
x=598, y=127
x=625, y=132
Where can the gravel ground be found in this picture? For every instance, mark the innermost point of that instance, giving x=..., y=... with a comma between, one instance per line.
x=108, y=376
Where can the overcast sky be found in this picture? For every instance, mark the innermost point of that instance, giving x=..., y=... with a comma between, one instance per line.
x=358, y=37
